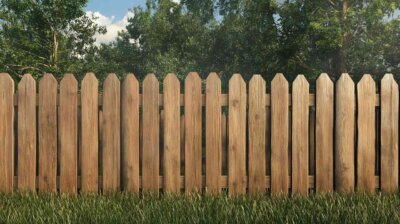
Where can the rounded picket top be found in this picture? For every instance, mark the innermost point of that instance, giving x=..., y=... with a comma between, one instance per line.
x=192, y=77
x=47, y=78
x=68, y=79
x=130, y=81
x=345, y=78
x=90, y=78
x=256, y=79
x=388, y=78
x=6, y=82
x=237, y=78
x=130, y=77
x=171, y=79
x=150, y=79
x=366, y=79
x=26, y=80
x=5, y=77
x=279, y=79
x=301, y=81
x=213, y=76
x=111, y=80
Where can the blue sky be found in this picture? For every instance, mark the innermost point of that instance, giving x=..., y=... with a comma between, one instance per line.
x=116, y=8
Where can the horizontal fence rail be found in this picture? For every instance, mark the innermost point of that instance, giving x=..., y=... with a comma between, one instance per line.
x=131, y=137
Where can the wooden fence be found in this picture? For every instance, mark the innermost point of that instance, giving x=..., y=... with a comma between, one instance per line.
x=342, y=138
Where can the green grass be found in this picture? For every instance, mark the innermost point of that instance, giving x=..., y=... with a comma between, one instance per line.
x=123, y=208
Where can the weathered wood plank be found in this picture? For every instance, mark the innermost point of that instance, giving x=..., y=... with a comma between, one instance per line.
x=90, y=134
x=47, y=133
x=344, y=137
x=213, y=133
x=111, y=133
x=172, y=149
x=130, y=134
x=68, y=130
x=389, y=134
x=193, y=155
x=257, y=129
x=27, y=133
x=6, y=133
x=279, y=135
x=324, y=132
x=151, y=134
x=366, y=91
x=300, y=136
x=237, y=135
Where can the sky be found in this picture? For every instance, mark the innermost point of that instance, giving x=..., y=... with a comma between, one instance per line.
x=113, y=14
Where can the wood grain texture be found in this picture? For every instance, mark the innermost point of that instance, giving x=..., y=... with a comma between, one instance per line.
x=324, y=132
x=279, y=135
x=213, y=133
x=193, y=155
x=389, y=134
x=151, y=135
x=47, y=133
x=366, y=91
x=68, y=131
x=90, y=134
x=130, y=134
x=257, y=129
x=6, y=133
x=172, y=149
x=300, y=136
x=111, y=133
x=344, y=137
x=237, y=136
x=27, y=134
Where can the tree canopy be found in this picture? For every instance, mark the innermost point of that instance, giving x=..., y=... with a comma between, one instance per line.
x=223, y=36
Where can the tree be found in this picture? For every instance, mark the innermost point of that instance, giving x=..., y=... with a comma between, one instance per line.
x=44, y=35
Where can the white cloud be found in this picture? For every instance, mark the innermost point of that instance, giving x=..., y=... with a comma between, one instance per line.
x=113, y=26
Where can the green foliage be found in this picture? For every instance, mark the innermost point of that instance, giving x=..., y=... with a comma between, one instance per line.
x=224, y=36
x=123, y=208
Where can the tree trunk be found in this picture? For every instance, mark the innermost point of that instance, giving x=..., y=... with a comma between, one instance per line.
x=54, y=53
x=341, y=55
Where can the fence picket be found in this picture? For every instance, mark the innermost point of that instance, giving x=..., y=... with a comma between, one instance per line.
x=237, y=136
x=213, y=133
x=193, y=155
x=257, y=129
x=130, y=134
x=344, y=141
x=300, y=135
x=366, y=135
x=151, y=132
x=389, y=134
x=279, y=135
x=172, y=151
x=111, y=133
x=324, y=130
x=6, y=133
x=47, y=133
x=90, y=134
x=68, y=130
x=27, y=133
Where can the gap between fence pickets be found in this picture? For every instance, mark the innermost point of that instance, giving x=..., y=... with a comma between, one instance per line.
x=224, y=100
x=223, y=182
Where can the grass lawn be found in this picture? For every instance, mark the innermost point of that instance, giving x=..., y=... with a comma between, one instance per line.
x=123, y=208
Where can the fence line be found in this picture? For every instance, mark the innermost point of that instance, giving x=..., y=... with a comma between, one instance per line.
x=64, y=139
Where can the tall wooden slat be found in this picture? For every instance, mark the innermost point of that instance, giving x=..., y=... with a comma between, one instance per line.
x=27, y=133
x=90, y=134
x=344, y=137
x=237, y=135
x=111, y=133
x=213, y=133
x=311, y=161
x=300, y=136
x=389, y=134
x=130, y=134
x=47, y=133
x=257, y=129
x=366, y=92
x=324, y=134
x=172, y=151
x=193, y=155
x=6, y=133
x=279, y=135
x=151, y=132
x=68, y=130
